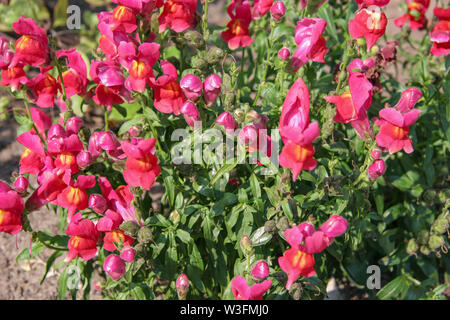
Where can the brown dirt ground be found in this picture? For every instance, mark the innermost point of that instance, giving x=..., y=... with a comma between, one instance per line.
x=21, y=280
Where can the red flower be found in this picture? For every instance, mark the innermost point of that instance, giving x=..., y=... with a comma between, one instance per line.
x=369, y=23
x=296, y=131
x=311, y=43
x=139, y=64
x=394, y=129
x=113, y=238
x=75, y=77
x=14, y=77
x=237, y=34
x=124, y=18
x=111, y=84
x=296, y=263
x=44, y=89
x=441, y=33
x=177, y=15
x=142, y=165
x=83, y=239
x=415, y=14
x=168, y=95
x=11, y=207
x=74, y=196
x=242, y=291
x=32, y=46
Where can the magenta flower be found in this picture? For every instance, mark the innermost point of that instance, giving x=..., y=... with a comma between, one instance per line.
x=182, y=285
x=227, y=120
x=114, y=266
x=408, y=99
x=128, y=254
x=311, y=43
x=394, y=129
x=97, y=203
x=376, y=169
x=21, y=184
x=142, y=165
x=75, y=77
x=168, y=96
x=296, y=131
x=83, y=238
x=278, y=10
x=190, y=113
x=260, y=270
x=191, y=86
x=139, y=64
x=284, y=53
x=242, y=291
x=306, y=238
x=211, y=88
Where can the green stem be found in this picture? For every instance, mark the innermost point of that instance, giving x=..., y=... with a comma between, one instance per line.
x=106, y=119
x=34, y=125
x=241, y=75
x=266, y=65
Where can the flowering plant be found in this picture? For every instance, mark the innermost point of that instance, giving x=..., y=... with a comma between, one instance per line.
x=285, y=150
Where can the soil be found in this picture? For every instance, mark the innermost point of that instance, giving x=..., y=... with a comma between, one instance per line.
x=21, y=280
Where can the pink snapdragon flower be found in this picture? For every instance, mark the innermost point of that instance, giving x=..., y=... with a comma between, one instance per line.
x=114, y=266
x=376, y=169
x=306, y=238
x=260, y=270
x=83, y=238
x=191, y=86
x=242, y=291
x=190, y=113
x=394, y=129
x=168, y=96
x=141, y=165
x=237, y=34
x=296, y=131
x=11, y=207
x=211, y=88
x=369, y=23
x=311, y=43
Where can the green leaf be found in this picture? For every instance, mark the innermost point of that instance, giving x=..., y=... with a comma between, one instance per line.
x=60, y=13
x=395, y=288
x=50, y=262
x=184, y=236
x=36, y=249
x=62, y=285
x=256, y=189
x=225, y=169
x=260, y=238
x=169, y=185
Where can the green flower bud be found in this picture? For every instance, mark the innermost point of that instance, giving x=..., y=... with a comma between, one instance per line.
x=194, y=38
x=375, y=49
x=435, y=242
x=214, y=55
x=270, y=227
x=296, y=291
x=422, y=238
x=412, y=247
x=131, y=228
x=145, y=235
x=239, y=115
x=429, y=196
x=175, y=217
x=198, y=62
x=283, y=224
x=440, y=226
x=425, y=250
x=140, y=249
x=247, y=246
